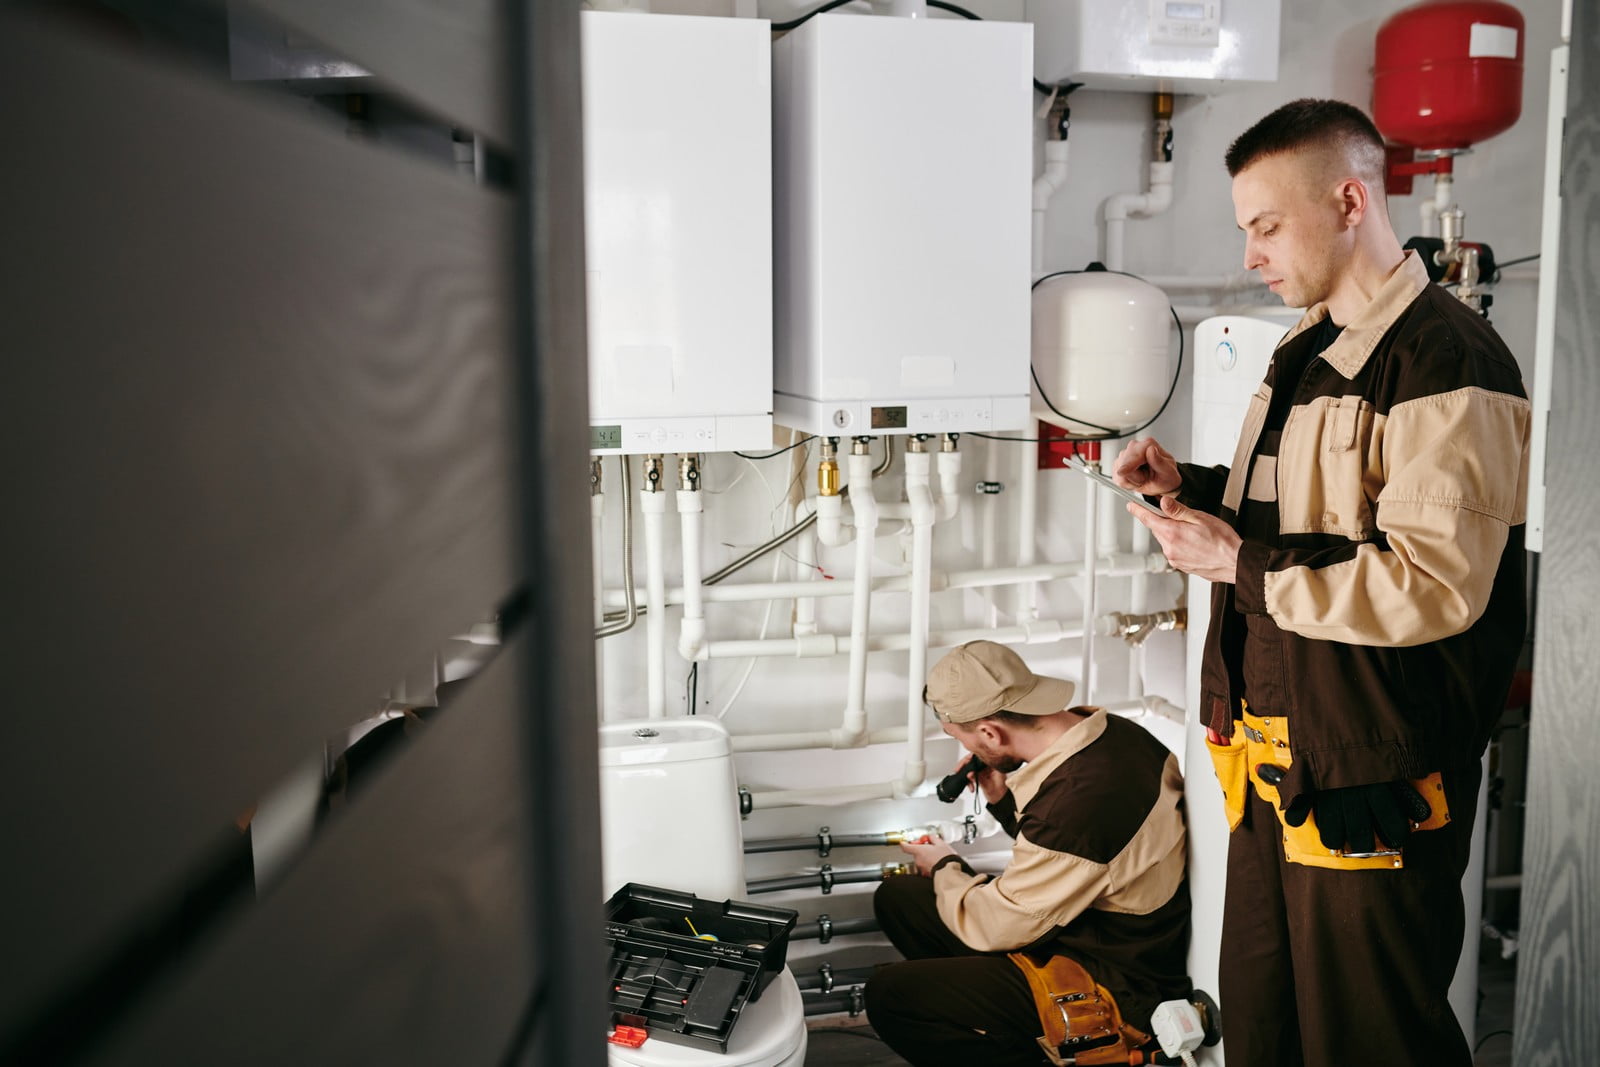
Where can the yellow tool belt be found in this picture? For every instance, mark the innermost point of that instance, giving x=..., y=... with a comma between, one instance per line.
x=1261, y=740
x=1082, y=1024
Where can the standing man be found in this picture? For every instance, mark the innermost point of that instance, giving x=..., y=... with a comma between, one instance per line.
x=1093, y=906
x=1366, y=616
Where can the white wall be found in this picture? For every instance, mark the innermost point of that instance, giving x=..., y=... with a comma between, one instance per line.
x=1326, y=51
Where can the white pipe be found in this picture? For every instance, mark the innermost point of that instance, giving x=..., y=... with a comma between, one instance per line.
x=919, y=494
x=1124, y=206
x=1110, y=536
x=1110, y=565
x=802, y=798
x=864, y=509
x=1148, y=705
x=1045, y=185
x=692, y=629
x=1439, y=201
x=817, y=646
x=949, y=465
x=1027, y=516
x=831, y=529
x=1180, y=283
x=1138, y=604
x=654, y=507
x=805, y=570
x=817, y=739
x=990, y=512
x=1091, y=584
x=1042, y=633
x=597, y=523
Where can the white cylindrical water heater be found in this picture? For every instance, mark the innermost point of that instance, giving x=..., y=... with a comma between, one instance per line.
x=1101, y=349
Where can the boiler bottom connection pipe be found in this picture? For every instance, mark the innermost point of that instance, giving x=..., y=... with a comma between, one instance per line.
x=825, y=929
x=851, y=1000
x=827, y=978
x=822, y=843
x=825, y=879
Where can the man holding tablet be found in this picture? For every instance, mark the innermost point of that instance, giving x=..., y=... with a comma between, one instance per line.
x=1366, y=547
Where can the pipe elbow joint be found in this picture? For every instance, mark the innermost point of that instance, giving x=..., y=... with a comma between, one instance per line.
x=692, y=639
x=853, y=734
x=831, y=530
x=911, y=779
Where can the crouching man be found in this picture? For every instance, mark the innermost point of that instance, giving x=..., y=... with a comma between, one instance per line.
x=1062, y=957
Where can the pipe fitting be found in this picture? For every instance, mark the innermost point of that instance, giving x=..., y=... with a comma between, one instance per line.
x=828, y=478
x=596, y=477
x=654, y=473
x=689, y=472
x=861, y=446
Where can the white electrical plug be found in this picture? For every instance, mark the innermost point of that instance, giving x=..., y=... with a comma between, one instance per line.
x=1178, y=1027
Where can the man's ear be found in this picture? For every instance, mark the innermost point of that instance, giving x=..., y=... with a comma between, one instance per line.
x=1354, y=200
x=993, y=734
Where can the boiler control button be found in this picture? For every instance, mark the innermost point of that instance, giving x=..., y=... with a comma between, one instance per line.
x=1227, y=355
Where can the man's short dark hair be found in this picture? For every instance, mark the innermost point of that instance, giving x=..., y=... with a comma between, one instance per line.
x=1309, y=123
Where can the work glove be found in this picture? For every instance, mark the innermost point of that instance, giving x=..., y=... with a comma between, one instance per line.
x=1351, y=819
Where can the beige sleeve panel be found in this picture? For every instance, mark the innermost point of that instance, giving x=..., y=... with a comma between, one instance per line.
x=1039, y=891
x=1456, y=480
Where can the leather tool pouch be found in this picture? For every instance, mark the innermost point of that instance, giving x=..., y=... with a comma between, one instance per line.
x=1266, y=741
x=1082, y=1025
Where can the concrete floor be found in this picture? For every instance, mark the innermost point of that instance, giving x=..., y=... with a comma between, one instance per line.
x=838, y=1041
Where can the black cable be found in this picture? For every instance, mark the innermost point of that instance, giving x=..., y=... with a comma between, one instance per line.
x=1484, y=1040
x=780, y=27
x=1038, y=86
x=1032, y=440
x=781, y=451
x=954, y=9
x=691, y=688
x=1516, y=262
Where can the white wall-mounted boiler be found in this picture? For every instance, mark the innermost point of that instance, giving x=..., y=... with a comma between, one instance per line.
x=677, y=153
x=1175, y=46
x=903, y=156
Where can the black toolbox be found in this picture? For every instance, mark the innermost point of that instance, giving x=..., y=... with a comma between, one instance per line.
x=667, y=974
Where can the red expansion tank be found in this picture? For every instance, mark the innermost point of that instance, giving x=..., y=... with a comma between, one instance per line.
x=1448, y=73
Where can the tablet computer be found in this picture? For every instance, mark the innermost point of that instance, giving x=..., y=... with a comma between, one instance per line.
x=1105, y=482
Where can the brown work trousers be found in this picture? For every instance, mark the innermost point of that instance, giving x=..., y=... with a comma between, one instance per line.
x=1328, y=968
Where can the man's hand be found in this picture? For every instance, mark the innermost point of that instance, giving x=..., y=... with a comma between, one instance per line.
x=1145, y=467
x=925, y=856
x=1194, y=542
x=988, y=781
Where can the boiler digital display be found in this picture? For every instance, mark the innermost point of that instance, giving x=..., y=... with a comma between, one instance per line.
x=889, y=418
x=605, y=437
x=1186, y=11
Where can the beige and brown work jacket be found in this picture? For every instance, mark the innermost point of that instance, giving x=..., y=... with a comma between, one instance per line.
x=1097, y=872
x=1386, y=585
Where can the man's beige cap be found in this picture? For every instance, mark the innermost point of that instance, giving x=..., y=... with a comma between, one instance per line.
x=980, y=678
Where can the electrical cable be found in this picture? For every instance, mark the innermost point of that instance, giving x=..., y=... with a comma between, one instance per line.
x=781, y=451
x=783, y=27
x=1484, y=1040
x=1516, y=262
x=1038, y=86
